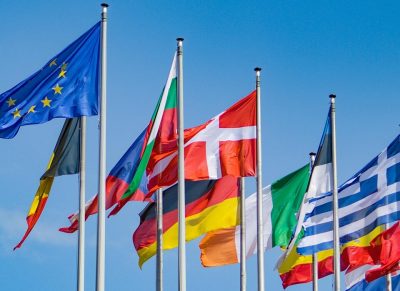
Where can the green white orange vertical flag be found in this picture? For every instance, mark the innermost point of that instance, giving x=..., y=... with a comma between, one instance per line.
x=281, y=202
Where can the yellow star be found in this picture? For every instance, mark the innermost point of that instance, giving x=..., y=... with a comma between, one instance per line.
x=62, y=73
x=11, y=102
x=57, y=89
x=46, y=102
x=32, y=109
x=53, y=63
x=64, y=66
x=17, y=113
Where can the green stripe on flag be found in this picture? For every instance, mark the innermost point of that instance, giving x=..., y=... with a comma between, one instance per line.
x=156, y=124
x=287, y=196
x=171, y=101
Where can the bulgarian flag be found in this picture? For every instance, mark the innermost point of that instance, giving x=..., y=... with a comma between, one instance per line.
x=161, y=130
x=281, y=201
x=127, y=180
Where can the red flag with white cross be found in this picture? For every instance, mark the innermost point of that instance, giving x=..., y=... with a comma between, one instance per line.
x=224, y=145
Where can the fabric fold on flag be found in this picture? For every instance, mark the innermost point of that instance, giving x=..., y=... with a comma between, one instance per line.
x=387, y=245
x=297, y=269
x=66, y=86
x=209, y=205
x=281, y=201
x=355, y=280
x=65, y=160
x=368, y=199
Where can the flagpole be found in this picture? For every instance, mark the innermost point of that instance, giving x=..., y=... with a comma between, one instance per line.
x=260, y=232
x=181, y=175
x=82, y=200
x=242, y=236
x=100, y=260
x=336, y=238
x=159, y=273
x=315, y=255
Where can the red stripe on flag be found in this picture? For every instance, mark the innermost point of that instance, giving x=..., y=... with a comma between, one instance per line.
x=32, y=219
x=115, y=188
x=225, y=188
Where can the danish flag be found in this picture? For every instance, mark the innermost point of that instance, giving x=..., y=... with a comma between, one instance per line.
x=225, y=145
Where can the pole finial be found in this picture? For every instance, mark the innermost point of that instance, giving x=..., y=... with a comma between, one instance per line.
x=332, y=96
x=257, y=69
x=104, y=5
x=179, y=41
x=312, y=154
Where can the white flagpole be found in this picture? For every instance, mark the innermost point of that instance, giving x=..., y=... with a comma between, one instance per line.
x=181, y=175
x=82, y=188
x=242, y=236
x=260, y=231
x=336, y=238
x=100, y=260
x=159, y=275
x=314, y=256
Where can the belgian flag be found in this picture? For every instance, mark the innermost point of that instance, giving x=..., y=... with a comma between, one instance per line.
x=65, y=160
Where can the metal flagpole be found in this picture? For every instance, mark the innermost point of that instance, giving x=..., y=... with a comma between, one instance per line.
x=181, y=175
x=159, y=275
x=242, y=236
x=260, y=232
x=82, y=187
x=314, y=256
x=100, y=260
x=336, y=238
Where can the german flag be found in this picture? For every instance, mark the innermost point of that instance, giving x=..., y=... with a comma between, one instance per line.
x=209, y=205
x=64, y=161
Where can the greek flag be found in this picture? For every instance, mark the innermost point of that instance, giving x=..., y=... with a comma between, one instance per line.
x=368, y=199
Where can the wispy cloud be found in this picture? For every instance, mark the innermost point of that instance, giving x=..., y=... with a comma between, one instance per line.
x=13, y=226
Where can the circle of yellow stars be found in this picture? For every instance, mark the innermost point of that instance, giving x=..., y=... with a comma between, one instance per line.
x=46, y=102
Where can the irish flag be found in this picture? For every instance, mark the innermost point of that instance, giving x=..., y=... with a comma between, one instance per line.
x=281, y=201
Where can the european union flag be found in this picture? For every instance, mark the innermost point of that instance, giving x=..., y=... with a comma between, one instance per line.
x=67, y=86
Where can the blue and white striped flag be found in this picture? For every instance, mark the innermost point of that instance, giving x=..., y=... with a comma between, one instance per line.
x=369, y=199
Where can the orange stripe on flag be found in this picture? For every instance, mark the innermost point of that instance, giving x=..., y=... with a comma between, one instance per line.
x=224, y=254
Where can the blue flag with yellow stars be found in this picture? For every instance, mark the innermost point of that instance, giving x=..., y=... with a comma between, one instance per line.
x=67, y=86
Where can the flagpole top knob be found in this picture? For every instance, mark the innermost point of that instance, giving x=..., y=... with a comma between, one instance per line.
x=180, y=39
x=257, y=69
x=332, y=96
x=312, y=154
x=104, y=5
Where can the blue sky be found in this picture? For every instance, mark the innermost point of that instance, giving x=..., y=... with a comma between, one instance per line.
x=307, y=49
